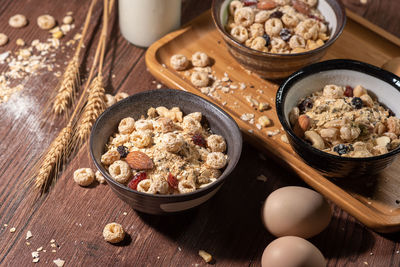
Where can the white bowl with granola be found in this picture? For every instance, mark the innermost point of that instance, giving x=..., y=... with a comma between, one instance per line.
x=342, y=117
x=165, y=150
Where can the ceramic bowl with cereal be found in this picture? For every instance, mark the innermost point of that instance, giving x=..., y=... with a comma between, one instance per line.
x=274, y=38
x=342, y=117
x=165, y=151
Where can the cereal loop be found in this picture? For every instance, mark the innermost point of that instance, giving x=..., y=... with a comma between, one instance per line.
x=199, y=78
x=113, y=233
x=120, y=171
x=99, y=177
x=186, y=186
x=256, y=30
x=262, y=16
x=244, y=16
x=46, y=22
x=273, y=26
x=240, y=33
x=84, y=176
x=164, y=125
x=18, y=21
x=333, y=91
x=179, y=62
x=296, y=42
x=172, y=142
x=160, y=185
x=216, y=160
x=143, y=125
x=121, y=95
x=200, y=59
x=258, y=43
x=110, y=157
x=307, y=29
x=290, y=20
x=141, y=139
x=216, y=143
x=109, y=100
x=145, y=186
x=126, y=126
x=234, y=6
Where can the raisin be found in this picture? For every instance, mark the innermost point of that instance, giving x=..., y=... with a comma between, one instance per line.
x=285, y=34
x=357, y=103
x=199, y=140
x=172, y=181
x=349, y=91
x=305, y=104
x=341, y=149
x=391, y=113
x=136, y=180
x=123, y=151
x=249, y=2
x=277, y=14
x=267, y=39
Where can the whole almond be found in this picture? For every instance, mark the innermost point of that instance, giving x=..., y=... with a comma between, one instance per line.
x=139, y=161
x=266, y=4
x=304, y=122
x=301, y=7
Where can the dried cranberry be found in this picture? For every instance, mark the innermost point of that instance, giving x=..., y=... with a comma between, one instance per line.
x=249, y=2
x=349, y=91
x=172, y=181
x=267, y=39
x=277, y=14
x=341, y=149
x=357, y=103
x=199, y=140
x=123, y=151
x=285, y=34
x=305, y=104
x=316, y=18
x=136, y=180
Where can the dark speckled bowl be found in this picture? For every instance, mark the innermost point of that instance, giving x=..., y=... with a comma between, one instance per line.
x=137, y=105
x=383, y=84
x=278, y=66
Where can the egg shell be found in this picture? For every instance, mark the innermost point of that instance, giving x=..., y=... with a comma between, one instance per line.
x=296, y=211
x=292, y=251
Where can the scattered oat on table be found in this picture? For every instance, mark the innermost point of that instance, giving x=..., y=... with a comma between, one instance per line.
x=28, y=235
x=59, y=262
x=20, y=42
x=68, y=19
x=99, y=177
x=18, y=21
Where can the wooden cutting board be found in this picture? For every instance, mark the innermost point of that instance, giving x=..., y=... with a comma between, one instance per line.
x=375, y=203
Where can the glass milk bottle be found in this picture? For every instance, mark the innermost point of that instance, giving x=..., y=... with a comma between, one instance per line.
x=143, y=22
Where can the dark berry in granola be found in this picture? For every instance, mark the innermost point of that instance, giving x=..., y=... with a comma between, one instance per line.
x=140, y=176
x=267, y=39
x=349, y=91
x=199, y=140
x=285, y=34
x=123, y=151
x=277, y=14
x=357, y=103
x=342, y=149
x=249, y=2
x=172, y=181
x=305, y=104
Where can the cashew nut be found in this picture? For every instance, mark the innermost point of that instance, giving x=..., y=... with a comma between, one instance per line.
x=315, y=139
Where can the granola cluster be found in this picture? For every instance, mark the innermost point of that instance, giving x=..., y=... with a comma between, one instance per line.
x=346, y=121
x=277, y=26
x=165, y=152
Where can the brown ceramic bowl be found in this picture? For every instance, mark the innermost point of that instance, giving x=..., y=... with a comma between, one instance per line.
x=278, y=66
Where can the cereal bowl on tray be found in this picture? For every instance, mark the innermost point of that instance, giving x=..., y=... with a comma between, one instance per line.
x=342, y=117
x=165, y=151
x=274, y=38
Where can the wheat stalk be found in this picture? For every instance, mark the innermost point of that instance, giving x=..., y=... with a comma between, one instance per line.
x=51, y=162
x=70, y=81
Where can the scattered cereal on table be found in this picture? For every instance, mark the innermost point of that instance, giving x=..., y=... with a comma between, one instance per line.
x=121, y=95
x=113, y=233
x=200, y=59
x=206, y=256
x=3, y=39
x=46, y=22
x=179, y=62
x=84, y=176
x=99, y=177
x=20, y=42
x=18, y=21
x=68, y=19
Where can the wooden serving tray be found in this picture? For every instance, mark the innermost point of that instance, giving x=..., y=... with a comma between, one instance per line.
x=375, y=203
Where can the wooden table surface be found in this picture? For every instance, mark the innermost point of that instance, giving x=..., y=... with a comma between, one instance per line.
x=228, y=226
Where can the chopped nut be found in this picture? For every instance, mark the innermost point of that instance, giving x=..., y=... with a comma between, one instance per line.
x=35, y=260
x=28, y=235
x=284, y=139
x=12, y=230
x=68, y=20
x=58, y=35
x=264, y=121
x=206, y=256
x=263, y=106
x=59, y=262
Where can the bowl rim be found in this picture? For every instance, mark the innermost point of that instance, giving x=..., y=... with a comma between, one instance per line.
x=329, y=65
x=205, y=189
x=341, y=24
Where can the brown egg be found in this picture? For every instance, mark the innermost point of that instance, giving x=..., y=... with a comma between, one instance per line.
x=296, y=211
x=292, y=251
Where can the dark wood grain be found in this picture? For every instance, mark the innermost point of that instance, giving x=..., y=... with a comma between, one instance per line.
x=228, y=226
